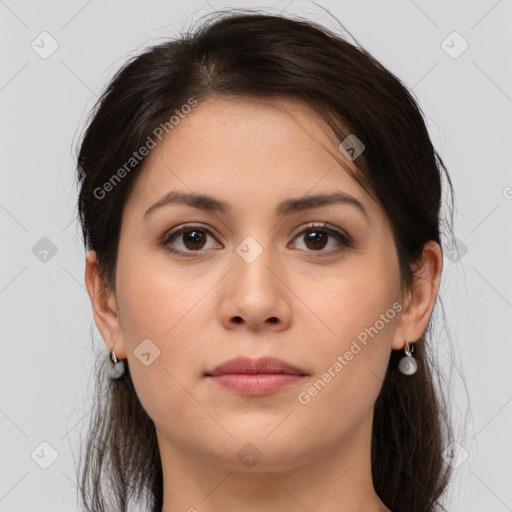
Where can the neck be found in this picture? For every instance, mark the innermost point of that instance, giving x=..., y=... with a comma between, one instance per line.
x=338, y=479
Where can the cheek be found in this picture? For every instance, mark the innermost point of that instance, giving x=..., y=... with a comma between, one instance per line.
x=165, y=306
x=350, y=364
x=345, y=303
x=158, y=318
x=155, y=298
x=356, y=307
x=354, y=330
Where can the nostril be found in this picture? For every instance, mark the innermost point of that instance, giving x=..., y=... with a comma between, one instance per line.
x=237, y=319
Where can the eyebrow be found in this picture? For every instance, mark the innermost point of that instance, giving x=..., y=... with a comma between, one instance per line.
x=284, y=208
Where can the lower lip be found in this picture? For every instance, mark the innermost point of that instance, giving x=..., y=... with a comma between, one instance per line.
x=256, y=384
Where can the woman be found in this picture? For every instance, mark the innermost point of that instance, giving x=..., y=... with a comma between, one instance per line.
x=260, y=203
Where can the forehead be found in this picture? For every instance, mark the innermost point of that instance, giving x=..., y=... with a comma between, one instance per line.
x=236, y=128
x=246, y=148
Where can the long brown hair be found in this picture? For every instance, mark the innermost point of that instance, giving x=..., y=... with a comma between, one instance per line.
x=251, y=54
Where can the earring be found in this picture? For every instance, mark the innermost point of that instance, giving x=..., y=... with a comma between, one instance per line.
x=116, y=370
x=408, y=365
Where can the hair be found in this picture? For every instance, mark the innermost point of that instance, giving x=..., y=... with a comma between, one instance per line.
x=250, y=55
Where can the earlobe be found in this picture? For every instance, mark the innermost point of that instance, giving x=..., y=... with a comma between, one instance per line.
x=104, y=307
x=421, y=298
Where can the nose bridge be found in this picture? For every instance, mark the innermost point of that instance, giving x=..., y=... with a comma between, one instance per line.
x=252, y=264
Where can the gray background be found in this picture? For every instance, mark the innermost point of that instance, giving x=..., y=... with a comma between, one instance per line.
x=46, y=319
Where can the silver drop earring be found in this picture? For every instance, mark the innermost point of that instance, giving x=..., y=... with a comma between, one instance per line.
x=116, y=370
x=408, y=365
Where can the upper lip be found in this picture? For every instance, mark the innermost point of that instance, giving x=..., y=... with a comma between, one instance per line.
x=248, y=365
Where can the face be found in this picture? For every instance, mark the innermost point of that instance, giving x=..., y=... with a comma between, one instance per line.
x=315, y=286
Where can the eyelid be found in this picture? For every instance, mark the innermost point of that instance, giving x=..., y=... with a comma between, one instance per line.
x=189, y=226
x=177, y=230
x=321, y=225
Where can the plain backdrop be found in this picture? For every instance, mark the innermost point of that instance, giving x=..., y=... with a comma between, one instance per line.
x=55, y=58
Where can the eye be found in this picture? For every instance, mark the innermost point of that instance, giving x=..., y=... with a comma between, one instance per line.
x=316, y=238
x=192, y=238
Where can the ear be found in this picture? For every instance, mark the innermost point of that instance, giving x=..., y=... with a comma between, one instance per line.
x=419, y=301
x=104, y=307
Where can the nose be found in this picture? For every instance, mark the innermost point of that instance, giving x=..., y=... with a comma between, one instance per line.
x=255, y=296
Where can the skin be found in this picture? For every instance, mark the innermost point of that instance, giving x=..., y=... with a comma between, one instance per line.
x=315, y=456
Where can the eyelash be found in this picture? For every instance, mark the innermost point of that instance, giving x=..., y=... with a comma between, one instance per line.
x=323, y=227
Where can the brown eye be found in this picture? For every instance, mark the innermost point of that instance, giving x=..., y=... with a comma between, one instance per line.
x=193, y=239
x=316, y=238
x=188, y=240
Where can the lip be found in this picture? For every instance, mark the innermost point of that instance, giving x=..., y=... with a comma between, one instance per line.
x=248, y=376
x=250, y=366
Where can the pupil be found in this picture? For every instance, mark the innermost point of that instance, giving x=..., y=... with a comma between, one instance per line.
x=316, y=238
x=194, y=238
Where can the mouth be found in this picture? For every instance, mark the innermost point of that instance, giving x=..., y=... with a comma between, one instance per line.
x=261, y=376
